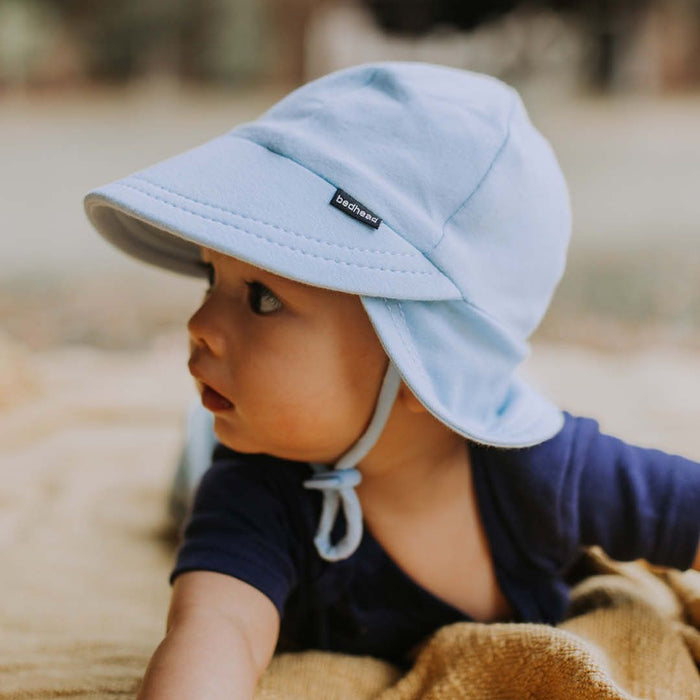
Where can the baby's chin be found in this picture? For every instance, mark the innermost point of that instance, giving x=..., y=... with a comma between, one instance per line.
x=236, y=444
x=224, y=436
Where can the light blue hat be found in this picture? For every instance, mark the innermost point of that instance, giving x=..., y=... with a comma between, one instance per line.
x=424, y=189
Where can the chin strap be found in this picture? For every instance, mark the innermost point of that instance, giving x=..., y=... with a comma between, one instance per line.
x=338, y=484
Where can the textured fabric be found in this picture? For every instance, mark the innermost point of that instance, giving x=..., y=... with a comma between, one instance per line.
x=474, y=211
x=632, y=634
x=252, y=519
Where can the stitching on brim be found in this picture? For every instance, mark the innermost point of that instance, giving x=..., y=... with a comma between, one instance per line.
x=428, y=273
x=273, y=226
x=407, y=340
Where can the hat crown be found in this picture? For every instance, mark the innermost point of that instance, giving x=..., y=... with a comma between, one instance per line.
x=388, y=133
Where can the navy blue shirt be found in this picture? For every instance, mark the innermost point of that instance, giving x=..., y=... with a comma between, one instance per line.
x=253, y=519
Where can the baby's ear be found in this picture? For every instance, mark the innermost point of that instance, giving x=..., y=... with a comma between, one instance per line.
x=409, y=400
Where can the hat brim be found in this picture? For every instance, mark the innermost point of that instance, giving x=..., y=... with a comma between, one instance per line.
x=243, y=200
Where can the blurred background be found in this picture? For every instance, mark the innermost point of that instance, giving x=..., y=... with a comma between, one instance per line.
x=90, y=91
x=93, y=349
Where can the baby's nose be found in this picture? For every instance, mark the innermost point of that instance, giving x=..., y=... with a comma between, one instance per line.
x=204, y=331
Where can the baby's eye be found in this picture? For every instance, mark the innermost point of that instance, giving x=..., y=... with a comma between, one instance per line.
x=261, y=300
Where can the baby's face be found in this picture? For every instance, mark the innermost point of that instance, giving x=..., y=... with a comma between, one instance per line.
x=287, y=369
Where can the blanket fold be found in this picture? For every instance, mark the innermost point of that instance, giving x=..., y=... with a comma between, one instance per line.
x=632, y=632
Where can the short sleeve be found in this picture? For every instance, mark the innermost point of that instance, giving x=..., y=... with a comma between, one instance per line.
x=584, y=488
x=242, y=524
x=634, y=502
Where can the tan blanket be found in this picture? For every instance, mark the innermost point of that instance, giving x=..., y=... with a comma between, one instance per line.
x=633, y=633
x=88, y=443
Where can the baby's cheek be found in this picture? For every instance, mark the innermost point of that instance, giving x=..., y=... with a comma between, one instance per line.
x=320, y=431
x=297, y=423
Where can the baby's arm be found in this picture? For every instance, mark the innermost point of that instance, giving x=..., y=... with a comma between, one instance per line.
x=221, y=634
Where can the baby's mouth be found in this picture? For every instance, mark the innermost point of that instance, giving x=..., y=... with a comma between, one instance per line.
x=213, y=401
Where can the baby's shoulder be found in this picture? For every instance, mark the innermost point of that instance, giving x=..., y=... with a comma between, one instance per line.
x=544, y=463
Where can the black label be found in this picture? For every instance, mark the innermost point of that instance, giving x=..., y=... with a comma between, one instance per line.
x=350, y=206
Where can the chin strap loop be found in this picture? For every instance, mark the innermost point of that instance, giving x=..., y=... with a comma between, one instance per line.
x=338, y=484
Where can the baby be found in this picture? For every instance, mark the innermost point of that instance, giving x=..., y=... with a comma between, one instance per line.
x=379, y=245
